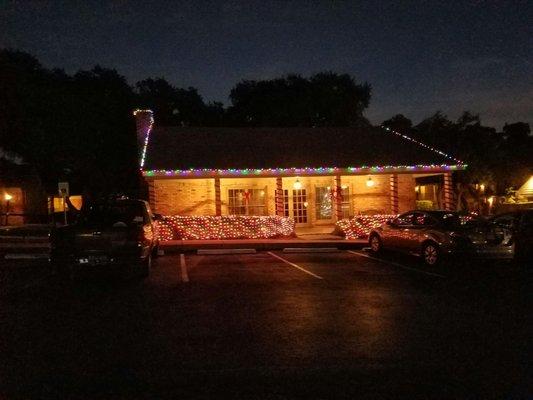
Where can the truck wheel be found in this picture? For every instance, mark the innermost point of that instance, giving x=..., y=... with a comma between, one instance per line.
x=146, y=265
x=155, y=251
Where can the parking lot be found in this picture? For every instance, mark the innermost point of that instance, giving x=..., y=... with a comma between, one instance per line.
x=273, y=325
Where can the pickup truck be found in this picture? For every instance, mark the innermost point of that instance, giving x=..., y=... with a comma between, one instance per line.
x=118, y=235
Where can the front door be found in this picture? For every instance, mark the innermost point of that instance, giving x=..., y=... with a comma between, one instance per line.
x=299, y=206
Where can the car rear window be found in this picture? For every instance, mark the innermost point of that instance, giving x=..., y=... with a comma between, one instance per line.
x=109, y=215
x=450, y=220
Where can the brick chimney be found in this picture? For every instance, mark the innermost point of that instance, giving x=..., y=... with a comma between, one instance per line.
x=144, y=121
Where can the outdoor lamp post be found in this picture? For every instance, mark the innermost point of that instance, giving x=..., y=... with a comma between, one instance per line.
x=7, y=198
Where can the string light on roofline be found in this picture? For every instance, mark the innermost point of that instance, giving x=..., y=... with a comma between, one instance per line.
x=296, y=171
x=423, y=145
x=306, y=171
x=147, y=137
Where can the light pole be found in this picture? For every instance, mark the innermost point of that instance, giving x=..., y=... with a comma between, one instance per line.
x=7, y=198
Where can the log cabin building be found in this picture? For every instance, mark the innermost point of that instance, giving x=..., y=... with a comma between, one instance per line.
x=314, y=175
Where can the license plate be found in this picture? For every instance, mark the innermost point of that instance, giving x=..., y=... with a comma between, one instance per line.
x=94, y=260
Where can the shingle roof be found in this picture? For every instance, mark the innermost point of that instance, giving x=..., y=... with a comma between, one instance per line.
x=177, y=148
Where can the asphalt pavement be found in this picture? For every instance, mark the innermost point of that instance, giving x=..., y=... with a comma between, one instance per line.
x=272, y=325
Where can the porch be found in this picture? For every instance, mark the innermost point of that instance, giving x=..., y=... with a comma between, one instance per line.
x=314, y=202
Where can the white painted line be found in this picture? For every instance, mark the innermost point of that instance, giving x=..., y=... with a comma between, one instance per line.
x=26, y=256
x=294, y=265
x=43, y=238
x=310, y=250
x=396, y=264
x=225, y=251
x=183, y=267
x=22, y=245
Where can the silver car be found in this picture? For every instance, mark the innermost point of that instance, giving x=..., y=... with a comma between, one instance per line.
x=434, y=235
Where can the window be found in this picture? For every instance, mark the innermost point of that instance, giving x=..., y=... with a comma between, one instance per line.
x=324, y=205
x=345, y=203
x=505, y=221
x=424, y=220
x=405, y=219
x=299, y=206
x=247, y=201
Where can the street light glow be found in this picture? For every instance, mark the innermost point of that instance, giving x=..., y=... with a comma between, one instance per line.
x=7, y=197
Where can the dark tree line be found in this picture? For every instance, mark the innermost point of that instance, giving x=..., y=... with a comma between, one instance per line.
x=80, y=128
x=497, y=159
x=76, y=128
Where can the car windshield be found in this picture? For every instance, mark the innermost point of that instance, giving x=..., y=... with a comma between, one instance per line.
x=115, y=214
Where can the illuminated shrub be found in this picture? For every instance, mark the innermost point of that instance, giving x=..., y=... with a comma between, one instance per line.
x=178, y=227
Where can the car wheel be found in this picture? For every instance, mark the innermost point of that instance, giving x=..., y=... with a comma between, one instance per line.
x=375, y=244
x=431, y=254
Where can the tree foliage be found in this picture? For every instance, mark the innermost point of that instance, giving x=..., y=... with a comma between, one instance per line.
x=324, y=99
x=175, y=106
x=80, y=127
x=499, y=159
x=76, y=128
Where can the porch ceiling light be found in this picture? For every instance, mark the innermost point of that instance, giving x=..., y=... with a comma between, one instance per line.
x=297, y=185
x=370, y=182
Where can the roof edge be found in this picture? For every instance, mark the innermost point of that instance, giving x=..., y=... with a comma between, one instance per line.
x=305, y=171
x=409, y=138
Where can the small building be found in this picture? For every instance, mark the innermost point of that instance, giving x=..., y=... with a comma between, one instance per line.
x=22, y=196
x=526, y=190
x=314, y=175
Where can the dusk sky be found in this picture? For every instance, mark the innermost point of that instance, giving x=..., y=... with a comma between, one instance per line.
x=419, y=57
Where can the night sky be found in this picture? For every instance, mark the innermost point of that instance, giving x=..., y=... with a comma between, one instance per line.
x=419, y=57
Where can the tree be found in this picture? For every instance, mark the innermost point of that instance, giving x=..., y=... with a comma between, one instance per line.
x=399, y=123
x=324, y=99
x=175, y=106
x=77, y=128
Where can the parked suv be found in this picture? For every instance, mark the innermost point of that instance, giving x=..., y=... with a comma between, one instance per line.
x=118, y=235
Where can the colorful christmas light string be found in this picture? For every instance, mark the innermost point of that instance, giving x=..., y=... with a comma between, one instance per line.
x=147, y=137
x=306, y=171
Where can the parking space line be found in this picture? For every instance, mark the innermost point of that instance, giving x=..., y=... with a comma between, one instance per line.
x=294, y=265
x=183, y=267
x=396, y=264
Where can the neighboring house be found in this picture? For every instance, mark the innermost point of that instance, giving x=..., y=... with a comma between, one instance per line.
x=22, y=197
x=314, y=175
x=526, y=190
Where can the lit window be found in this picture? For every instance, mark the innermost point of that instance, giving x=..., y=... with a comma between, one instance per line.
x=324, y=205
x=247, y=201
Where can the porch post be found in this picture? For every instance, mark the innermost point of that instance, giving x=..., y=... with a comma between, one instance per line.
x=279, y=197
x=338, y=198
x=394, y=197
x=448, y=192
x=218, y=201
